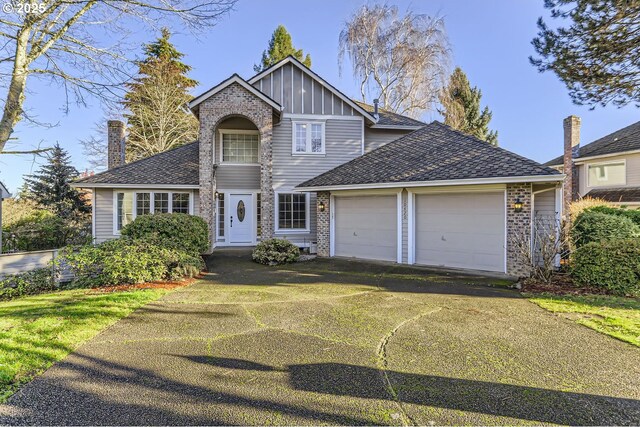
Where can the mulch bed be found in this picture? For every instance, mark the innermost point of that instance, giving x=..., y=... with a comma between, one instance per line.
x=147, y=285
x=561, y=284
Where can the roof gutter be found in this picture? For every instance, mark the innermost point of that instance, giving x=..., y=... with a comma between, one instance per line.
x=476, y=181
x=150, y=186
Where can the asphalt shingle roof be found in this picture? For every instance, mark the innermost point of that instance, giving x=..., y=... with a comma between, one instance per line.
x=389, y=118
x=617, y=195
x=179, y=166
x=620, y=141
x=434, y=153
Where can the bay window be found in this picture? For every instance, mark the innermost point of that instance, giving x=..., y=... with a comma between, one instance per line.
x=308, y=138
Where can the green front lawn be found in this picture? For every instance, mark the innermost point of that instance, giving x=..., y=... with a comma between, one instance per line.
x=39, y=330
x=615, y=316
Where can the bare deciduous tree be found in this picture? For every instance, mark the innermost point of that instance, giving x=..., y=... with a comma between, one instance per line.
x=79, y=45
x=402, y=60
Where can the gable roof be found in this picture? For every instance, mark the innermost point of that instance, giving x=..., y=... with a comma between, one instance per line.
x=389, y=119
x=4, y=193
x=179, y=167
x=235, y=78
x=620, y=141
x=291, y=60
x=436, y=153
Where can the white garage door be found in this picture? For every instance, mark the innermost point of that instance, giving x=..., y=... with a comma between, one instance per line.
x=464, y=230
x=366, y=227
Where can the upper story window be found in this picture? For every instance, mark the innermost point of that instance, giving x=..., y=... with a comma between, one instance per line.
x=607, y=174
x=240, y=147
x=308, y=138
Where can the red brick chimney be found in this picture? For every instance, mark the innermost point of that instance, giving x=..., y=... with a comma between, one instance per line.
x=571, y=151
x=115, y=143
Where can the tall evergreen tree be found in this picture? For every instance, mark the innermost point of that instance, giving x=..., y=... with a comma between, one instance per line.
x=157, y=118
x=281, y=46
x=50, y=187
x=461, y=108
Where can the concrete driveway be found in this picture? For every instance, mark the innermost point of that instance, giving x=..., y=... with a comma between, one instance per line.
x=337, y=342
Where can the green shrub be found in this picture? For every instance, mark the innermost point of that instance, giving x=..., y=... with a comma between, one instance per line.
x=612, y=265
x=178, y=231
x=44, y=231
x=596, y=226
x=632, y=214
x=29, y=283
x=126, y=261
x=275, y=251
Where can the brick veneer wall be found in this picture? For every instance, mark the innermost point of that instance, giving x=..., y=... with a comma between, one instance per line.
x=115, y=143
x=235, y=100
x=518, y=227
x=323, y=227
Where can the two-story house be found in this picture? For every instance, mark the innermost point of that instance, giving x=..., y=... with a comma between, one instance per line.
x=607, y=168
x=286, y=154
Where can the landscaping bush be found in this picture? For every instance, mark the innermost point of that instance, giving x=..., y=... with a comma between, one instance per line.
x=612, y=265
x=632, y=214
x=45, y=231
x=29, y=283
x=275, y=251
x=596, y=226
x=178, y=231
x=584, y=204
x=128, y=261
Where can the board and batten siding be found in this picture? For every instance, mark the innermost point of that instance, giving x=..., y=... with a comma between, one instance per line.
x=343, y=142
x=632, y=172
x=376, y=138
x=299, y=93
x=103, y=199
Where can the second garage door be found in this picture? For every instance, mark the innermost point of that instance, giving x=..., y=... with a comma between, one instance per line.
x=464, y=230
x=366, y=227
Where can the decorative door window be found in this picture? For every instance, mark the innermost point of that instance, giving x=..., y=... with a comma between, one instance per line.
x=240, y=211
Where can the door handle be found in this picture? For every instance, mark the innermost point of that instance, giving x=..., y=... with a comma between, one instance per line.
x=231, y=221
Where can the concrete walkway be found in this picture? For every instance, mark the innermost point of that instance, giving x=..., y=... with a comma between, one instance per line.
x=337, y=342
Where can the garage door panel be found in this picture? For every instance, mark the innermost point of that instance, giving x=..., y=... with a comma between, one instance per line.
x=366, y=227
x=460, y=230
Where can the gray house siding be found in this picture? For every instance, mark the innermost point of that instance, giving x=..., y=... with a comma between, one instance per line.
x=343, y=142
x=299, y=93
x=376, y=138
x=234, y=177
x=104, y=210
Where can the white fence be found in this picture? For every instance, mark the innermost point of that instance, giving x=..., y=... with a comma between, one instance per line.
x=22, y=262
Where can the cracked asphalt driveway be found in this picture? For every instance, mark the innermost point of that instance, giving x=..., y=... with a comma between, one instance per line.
x=337, y=342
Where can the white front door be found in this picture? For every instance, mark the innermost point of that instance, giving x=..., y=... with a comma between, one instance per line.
x=240, y=219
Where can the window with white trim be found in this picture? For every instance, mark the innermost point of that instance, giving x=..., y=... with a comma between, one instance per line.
x=124, y=209
x=606, y=174
x=308, y=138
x=130, y=204
x=240, y=147
x=292, y=211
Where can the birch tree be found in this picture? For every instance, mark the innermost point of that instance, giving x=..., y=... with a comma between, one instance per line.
x=79, y=45
x=403, y=60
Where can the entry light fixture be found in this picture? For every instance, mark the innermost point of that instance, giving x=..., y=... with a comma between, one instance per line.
x=215, y=195
x=517, y=205
x=321, y=206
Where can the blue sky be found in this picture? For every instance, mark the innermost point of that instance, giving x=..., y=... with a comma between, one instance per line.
x=490, y=40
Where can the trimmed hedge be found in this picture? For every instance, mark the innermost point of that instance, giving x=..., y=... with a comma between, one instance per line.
x=127, y=261
x=275, y=251
x=612, y=265
x=596, y=226
x=632, y=214
x=29, y=283
x=182, y=232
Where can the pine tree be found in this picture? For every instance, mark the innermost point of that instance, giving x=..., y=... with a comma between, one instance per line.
x=157, y=118
x=461, y=108
x=281, y=46
x=50, y=187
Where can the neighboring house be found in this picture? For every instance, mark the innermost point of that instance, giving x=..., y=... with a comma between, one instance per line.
x=607, y=168
x=285, y=154
x=4, y=194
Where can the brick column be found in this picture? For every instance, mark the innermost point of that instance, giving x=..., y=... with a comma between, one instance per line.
x=518, y=228
x=324, y=224
x=115, y=143
x=571, y=127
x=267, y=198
